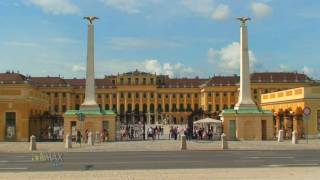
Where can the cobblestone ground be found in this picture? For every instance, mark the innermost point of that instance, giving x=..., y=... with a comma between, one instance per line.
x=177, y=174
x=160, y=145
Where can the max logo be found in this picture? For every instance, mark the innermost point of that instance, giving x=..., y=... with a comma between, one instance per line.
x=54, y=158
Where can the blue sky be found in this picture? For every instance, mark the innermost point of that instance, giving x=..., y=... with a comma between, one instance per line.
x=175, y=37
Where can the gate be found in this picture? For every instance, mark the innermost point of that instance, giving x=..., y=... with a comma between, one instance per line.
x=46, y=127
x=130, y=132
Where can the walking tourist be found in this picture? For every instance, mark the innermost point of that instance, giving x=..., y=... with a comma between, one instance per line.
x=78, y=139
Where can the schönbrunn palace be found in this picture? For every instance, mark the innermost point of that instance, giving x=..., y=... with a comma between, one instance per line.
x=28, y=105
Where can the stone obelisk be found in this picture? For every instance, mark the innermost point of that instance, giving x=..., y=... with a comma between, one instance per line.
x=90, y=101
x=245, y=99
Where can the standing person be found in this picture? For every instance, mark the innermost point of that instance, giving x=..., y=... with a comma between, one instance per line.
x=102, y=135
x=131, y=133
x=86, y=136
x=158, y=132
x=175, y=132
x=150, y=132
x=78, y=137
x=171, y=133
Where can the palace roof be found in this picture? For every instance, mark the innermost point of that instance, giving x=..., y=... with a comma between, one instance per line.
x=257, y=77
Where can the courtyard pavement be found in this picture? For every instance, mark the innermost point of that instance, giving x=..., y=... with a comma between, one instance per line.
x=177, y=174
x=158, y=145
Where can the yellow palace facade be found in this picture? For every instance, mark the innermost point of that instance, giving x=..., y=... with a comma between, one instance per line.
x=30, y=105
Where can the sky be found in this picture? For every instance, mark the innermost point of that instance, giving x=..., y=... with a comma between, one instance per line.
x=180, y=38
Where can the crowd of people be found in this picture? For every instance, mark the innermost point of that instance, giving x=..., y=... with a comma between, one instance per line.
x=203, y=134
x=155, y=132
x=104, y=135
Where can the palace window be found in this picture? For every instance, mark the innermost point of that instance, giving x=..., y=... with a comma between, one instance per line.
x=129, y=95
x=159, y=108
x=136, y=107
x=151, y=80
x=144, y=95
x=137, y=81
x=209, y=107
x=145, y=108
x=137, y=95
x=121, y=108
x=181, y=95
x=217, y=94
x=129, y=80
x=181, y=109
x=224, y=94
x=144, y=81
x=225, y=106
x=174, y=108
x=209, y=94
x=196, y=106
x=217, y=107
x=152, y=108
x=64, y=108
x=121, y=81
x=189, y=109
x=159, y=96
x=174, y=96
x=113, y=82
x=166, y=108
x=55, y=94
x=151, y=95
x=195, y=95
x=64, y=94
x=188, y=95
x=129, y=107
x=56, y=108
x=121, y=95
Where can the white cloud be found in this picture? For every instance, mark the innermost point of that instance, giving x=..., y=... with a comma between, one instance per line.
x=201, y=7
x=129, y=6
x=173, y=70
x=78, y=68
x=64, y=40
x=227, y=59
x=308, y=70
x=22, y=44
x=284, y=68
x=122, y=43
x=260, y=10
x=221, y=12
x=56, y=7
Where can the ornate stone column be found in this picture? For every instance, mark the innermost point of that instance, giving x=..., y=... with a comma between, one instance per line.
x=110, y=101
x=213, y=101
x=118, y=102
x=90, y=101
x=221, y=101
x=103, y=102
x=68, y=101
x=192, y=101
x=141, y=101
x=170, y=102
x=52, y=102
x=125, y=101
x=148, y=102
x=60, y=102
x=245, y=100
x=229, y=99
